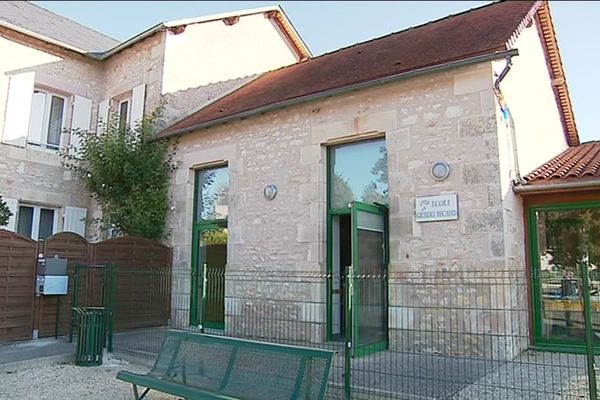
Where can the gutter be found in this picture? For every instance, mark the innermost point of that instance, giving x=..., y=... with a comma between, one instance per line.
x=511, y=123
x=556, y=186
x=42, y=37
x=148, y=32
x=346, y=89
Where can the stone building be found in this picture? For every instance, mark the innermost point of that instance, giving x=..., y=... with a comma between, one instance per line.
x=408, y=157
x=56, y=74
x=403, y=149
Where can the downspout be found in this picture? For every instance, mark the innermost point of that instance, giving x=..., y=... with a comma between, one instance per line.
x=511, y=123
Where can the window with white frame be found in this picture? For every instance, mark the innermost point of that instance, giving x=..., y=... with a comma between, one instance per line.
x=122, y=106
x=47, y=118
x=36, y=222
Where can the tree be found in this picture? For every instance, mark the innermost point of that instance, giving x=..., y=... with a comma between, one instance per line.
x=127, y=171
x=5, y=212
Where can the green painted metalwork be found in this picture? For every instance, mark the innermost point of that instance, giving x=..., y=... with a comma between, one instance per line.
x=91, y=335
x=589, y=333
x=237, y=368
x=540, y=342
x=380, y=211
x=348, y=348
x=198, y=299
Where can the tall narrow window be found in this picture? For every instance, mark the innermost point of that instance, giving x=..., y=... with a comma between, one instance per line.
x=47, y=119
x=122, y=106
x=210, y=247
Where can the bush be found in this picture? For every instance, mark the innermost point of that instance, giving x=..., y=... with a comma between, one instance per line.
x=127, y=172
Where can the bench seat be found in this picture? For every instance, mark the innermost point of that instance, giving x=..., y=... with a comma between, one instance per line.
x=207, y=367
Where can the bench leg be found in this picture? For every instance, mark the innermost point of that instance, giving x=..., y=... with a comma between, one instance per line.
x=137, y=395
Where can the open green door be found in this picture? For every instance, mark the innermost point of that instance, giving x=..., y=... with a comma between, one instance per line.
x=369, y=312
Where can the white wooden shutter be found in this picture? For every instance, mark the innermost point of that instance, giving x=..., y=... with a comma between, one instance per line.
x=103, y=109
x=75, y=220
x=82, y=118
x=13, y=206
x=18, y=108
x=36, y=117
x=137, y=104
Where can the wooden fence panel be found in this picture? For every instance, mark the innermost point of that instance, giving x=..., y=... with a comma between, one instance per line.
x=17, y=280
x=76, y=250
x=143, y=280
x=142, y=286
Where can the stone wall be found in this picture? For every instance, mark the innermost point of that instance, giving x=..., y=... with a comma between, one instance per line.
x=447, y=116
x=30, y=174
x=140, y=63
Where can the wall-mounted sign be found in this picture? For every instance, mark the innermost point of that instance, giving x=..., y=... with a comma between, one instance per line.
x=443, y=207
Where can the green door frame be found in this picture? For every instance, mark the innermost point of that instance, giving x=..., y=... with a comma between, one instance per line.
x=331, y=214
x=198, y=226
x=382, y=211
x=198, y=273
x=539, y=342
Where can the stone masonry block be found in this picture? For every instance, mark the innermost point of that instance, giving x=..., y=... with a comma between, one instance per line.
x=377, y=122
x=322, y=133
x=483, y=221
x=478, y=126
x=398, y=140
x=473, y=174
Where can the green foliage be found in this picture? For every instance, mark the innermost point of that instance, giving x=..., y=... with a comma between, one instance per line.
x=128, y=173
x=5, y=213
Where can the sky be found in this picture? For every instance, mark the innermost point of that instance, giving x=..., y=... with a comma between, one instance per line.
x=328, y=25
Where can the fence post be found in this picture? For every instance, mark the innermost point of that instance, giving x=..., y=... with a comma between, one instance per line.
x=348, y=334
x=111, y=305
x=589, y=334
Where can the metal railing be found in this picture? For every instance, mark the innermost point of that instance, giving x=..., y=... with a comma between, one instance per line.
x=403, y=335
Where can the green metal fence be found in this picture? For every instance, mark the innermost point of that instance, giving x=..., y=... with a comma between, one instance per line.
x=403, y=335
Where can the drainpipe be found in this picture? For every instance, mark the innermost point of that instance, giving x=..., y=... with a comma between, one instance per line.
x=511, y=123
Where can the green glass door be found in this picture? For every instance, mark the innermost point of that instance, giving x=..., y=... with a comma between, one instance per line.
x=369, y=328
x=211, y=245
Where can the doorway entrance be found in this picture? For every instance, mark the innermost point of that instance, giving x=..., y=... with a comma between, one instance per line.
x=209, y=248
x=357, y=251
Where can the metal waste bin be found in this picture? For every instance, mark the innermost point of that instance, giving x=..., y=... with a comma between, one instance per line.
x=90, y=336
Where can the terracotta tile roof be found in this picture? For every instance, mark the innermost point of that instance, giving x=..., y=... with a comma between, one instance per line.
x=576, y=163
x=480, y=31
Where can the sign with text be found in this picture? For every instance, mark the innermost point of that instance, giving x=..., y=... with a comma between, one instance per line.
x=443, y=207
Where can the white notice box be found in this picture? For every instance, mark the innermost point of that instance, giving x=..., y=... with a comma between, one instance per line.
x=443, y=207
x=56, y=284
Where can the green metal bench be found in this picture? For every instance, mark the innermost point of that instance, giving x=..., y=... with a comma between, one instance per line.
x=199, y=366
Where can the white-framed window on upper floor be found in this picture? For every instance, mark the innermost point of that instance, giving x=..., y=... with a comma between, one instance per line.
x=122, y=106
x=47, y=119
x=36, y=114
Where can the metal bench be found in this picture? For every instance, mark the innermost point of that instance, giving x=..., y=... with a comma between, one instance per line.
x=199, y=366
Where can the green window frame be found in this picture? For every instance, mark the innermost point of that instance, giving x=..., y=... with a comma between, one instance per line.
x=198, y=226
x=331, y=214
x=540, y=342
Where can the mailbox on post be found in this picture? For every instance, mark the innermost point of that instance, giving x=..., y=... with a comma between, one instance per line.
x=52, y=276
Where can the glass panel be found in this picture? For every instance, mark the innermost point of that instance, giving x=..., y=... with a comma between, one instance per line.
x=359, y=172
x=371, y=288
x=25, y=221
x=46, y=223
x=123, y=109
x=370, y=221
x=55, y=126
x=212, y=194
x=212, y=258
x=559, y=235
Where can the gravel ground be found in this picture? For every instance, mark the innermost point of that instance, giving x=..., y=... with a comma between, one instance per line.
x=69, y=382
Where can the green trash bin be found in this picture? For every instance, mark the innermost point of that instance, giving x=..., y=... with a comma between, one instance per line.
x=90, y=336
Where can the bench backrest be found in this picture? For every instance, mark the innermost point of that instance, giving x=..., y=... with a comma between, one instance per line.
x=242, y=368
